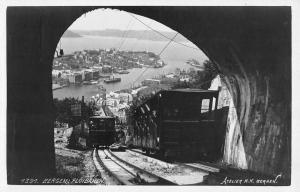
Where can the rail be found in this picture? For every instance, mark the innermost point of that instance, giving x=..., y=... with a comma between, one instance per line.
x=205, y=167
x=127, y=174
x=143, y=174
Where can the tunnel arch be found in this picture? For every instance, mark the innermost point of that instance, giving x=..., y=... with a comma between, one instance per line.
x=252, y=47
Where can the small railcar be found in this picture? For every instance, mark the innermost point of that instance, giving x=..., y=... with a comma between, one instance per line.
x=177, y=123
x=101, y=131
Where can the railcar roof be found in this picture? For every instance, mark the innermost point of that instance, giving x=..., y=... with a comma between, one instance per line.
x=193, y=90
x=101, y=117
x=185, y=90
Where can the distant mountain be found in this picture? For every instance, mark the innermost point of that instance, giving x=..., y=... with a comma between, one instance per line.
x=139, y=34
x=70, y=34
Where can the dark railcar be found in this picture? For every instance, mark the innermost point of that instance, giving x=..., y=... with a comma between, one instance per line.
x=101, y=131
x=177, y=123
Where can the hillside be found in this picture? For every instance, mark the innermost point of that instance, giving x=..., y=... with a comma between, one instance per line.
x=139, y=34
x=70, y=34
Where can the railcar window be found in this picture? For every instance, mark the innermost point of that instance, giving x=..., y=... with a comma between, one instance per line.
x=214, y=103
x=205, y=105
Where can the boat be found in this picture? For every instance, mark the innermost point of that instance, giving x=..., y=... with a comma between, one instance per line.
x=104, y=76
x=90, y=82
x=94, y=82
x=112, y=80
x=57, y=86
x=123, y=72
x=86, y=83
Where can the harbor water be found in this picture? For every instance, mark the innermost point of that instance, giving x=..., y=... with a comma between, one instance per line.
x=175, y=56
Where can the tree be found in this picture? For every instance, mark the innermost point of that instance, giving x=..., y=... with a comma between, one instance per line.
x=203, y=78
x=63, y=113
x=211, y=69
x=210, y=72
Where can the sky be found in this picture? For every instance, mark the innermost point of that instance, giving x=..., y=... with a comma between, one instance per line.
x=102, y=19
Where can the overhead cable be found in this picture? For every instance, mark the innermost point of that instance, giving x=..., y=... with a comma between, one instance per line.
x=158, y=32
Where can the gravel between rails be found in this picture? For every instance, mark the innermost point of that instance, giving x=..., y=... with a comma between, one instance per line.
x=76, y=166
x=175, y=173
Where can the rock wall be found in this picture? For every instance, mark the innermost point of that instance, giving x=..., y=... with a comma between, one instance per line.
x=255, y=63
x=258, y=131
x=265, y=135
x=255, y=139
x=233, y=150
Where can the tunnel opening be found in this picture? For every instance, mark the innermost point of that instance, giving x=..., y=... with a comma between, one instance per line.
x=79, y=65
x=255, y=63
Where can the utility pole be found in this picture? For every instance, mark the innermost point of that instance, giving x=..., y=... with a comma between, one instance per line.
x=83, y=115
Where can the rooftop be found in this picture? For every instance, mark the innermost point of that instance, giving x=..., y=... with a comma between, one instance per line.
x=193, y=90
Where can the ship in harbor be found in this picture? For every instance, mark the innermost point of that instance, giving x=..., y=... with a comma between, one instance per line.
x=104, y=76
x=89, y=82
x=123, y=72
x=112, y=80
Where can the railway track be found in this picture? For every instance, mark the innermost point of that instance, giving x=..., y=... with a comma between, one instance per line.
x=121, y=172
x=174, y=172
x=117, y=169
x=214, y=173
x=205, y=167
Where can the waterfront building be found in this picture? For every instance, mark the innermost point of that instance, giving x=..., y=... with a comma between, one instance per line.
x=75, y=78
x=96, y=74
x=65, y=74
x=55, y=73
x=88, y=75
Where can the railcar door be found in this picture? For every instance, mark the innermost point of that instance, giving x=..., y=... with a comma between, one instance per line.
x=188, y=130
x=109, y=124
x=97, y=129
